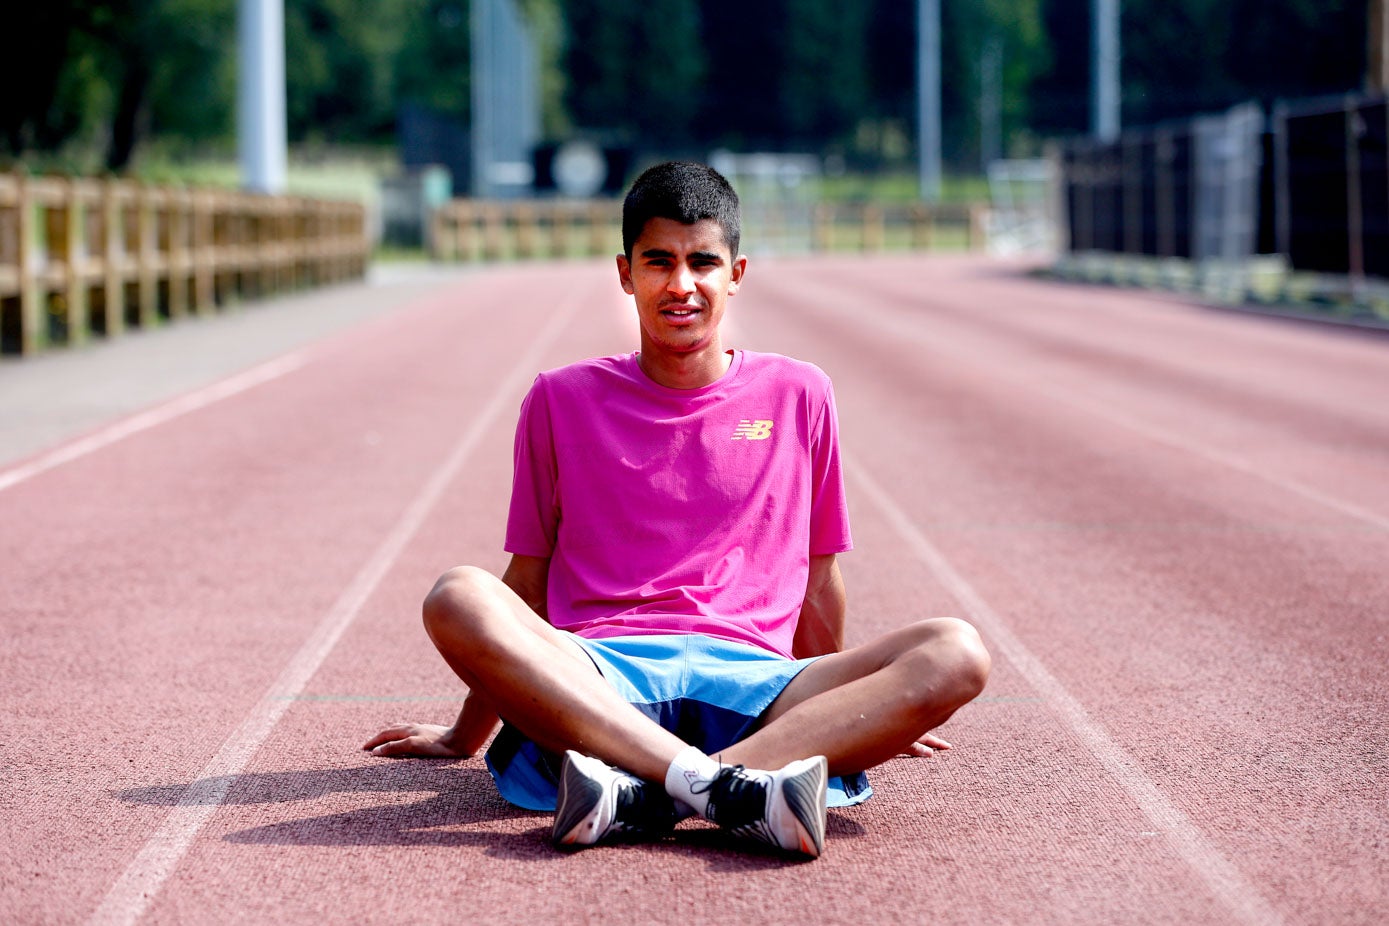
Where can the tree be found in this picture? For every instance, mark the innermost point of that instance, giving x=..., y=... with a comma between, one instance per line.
x=635, y=67
x=111, y=73
x=1193, y=56
x=96, y=79
x=341, y=57
x=823, y=90
x=1015, y=27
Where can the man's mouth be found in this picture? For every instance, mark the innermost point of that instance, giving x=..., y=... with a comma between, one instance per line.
x=680, y=312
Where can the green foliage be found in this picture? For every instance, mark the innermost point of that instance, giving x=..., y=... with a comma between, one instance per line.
x=432, y=61
x=819, y=75
x=193, y=86
x=109, y=72
x=98, y=82
x=825, y=60
x=1015, y=26
x=339, y=57
x=635, y=66
x=1182, y=57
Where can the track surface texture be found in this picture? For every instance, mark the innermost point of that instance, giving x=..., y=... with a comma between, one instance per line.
x=1170, y=524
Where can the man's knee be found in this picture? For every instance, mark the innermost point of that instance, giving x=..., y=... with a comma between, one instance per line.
x=956, y=655
x=456, y=600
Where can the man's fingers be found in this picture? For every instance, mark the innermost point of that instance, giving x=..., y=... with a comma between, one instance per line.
x=387, y=735
x=932, y=741
x=399, y=747
x=409, y=739
x=377, y=740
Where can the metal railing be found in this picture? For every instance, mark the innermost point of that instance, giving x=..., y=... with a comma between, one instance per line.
x=1208, y=199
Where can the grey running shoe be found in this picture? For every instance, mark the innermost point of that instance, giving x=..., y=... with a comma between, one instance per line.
x=785, y=808
x=597, y=801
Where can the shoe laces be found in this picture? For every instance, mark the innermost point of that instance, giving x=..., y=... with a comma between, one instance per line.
x=638, y=810
x=736, y=799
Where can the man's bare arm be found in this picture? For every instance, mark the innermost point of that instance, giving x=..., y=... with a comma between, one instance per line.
x=821, y=627
x=528, y=577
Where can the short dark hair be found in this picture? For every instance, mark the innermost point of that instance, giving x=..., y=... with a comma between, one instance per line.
x=686, y=192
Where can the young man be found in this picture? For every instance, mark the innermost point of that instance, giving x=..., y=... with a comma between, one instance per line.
x=671, y=622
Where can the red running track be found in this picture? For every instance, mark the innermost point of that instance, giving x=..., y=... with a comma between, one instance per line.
x=1170, y=524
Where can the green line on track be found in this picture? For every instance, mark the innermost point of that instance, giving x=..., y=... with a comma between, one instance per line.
x=455, y=699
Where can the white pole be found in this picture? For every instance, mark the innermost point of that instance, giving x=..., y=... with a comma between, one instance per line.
x=260, y=123
x=928, y=97
x=1104, y=69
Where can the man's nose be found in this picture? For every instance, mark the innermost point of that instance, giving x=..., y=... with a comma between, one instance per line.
x=681, y=282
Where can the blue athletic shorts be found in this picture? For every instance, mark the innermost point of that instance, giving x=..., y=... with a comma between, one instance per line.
x=708, y=692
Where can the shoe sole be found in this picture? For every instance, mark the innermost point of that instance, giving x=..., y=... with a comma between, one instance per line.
x=805, y=793
x=578, y=796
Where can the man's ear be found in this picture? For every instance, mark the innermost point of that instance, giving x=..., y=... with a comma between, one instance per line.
x=740, y=266
x=624, y=274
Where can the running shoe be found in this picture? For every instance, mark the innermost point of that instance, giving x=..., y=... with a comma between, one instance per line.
x=597, y=801
x=785, y=808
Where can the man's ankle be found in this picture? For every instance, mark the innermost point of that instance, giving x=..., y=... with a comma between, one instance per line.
x=687, y=779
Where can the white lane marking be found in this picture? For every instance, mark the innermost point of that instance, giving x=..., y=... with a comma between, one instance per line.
x=137, y=887
x=1172, y=439
x=1222, y=878
x=903, y=329
x=143, y=421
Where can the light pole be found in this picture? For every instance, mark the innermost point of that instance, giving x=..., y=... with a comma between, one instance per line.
x=928, y=97
x=260, y=112
x=1104, y=69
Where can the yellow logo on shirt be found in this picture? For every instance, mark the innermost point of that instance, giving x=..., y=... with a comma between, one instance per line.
x=750, y=429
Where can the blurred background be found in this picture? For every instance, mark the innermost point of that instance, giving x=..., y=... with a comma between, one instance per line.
x=1063, y=126
x=150, y=86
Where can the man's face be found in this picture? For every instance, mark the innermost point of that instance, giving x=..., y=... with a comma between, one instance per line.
x=681, y=276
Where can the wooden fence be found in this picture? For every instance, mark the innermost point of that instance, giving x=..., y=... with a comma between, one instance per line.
x=480, y=230
x=82, y=257
x=875, y=227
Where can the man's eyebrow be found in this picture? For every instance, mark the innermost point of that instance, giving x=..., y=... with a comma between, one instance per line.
x=694, y=255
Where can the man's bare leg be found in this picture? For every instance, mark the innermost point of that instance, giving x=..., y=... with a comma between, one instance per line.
x=861, y=707
x=537, y=678
x=544, y=683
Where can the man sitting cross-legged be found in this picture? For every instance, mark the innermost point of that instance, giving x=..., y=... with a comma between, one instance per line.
x=668, y=636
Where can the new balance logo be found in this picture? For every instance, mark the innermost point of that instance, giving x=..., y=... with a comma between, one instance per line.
x=749, y=429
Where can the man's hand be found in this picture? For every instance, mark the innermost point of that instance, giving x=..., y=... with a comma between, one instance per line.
x=469, y=733
x=926, y=745
x=415, y=739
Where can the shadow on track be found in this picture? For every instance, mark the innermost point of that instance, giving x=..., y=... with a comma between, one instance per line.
x=464, y=800
x=462, y=797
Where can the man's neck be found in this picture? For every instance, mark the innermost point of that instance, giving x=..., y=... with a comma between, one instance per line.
x=685, y=371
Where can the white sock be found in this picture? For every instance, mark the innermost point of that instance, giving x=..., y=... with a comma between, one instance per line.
x=691, y=770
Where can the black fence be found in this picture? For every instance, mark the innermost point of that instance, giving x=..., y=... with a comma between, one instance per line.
x=1309, y=181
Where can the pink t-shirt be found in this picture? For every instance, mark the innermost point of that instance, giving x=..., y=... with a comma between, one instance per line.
x=679, y=510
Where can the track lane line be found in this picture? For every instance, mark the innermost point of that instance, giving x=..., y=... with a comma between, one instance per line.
x=1225, y=882
x=1161, y=435
x=1047, y=386
x=133, y=892
x=143, y=421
